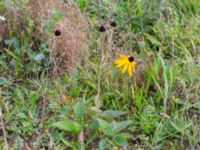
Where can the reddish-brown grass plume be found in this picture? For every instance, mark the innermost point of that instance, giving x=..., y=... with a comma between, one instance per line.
x=68, y=36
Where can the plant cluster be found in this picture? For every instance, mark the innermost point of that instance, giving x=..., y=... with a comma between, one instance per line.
x=136, y=86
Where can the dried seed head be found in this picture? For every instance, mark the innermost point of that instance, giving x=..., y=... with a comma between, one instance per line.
x=57, y=33
x=113, y=24
x=102, y=29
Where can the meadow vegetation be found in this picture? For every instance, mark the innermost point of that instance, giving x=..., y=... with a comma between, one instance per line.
x=94, y=105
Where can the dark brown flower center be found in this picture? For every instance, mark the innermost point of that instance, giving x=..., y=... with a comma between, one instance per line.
x=131, y=59
x=57, y=33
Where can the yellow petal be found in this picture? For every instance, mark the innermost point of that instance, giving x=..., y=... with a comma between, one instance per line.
x=125, y=68
x=133, y=64
x=122, y=63
x=119, y=60
x=130, y=71
x=123, y=56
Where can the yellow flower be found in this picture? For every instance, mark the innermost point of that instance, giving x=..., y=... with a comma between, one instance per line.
x=126, y=63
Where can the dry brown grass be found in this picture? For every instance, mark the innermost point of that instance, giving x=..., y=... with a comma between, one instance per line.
x=66, y=47
x=2, y=32
x=72, y=27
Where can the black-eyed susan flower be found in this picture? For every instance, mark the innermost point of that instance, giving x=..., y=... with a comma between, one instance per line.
x=126, y=63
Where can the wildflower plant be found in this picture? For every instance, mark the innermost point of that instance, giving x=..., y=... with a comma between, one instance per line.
x=153, y=104
x=126, y=63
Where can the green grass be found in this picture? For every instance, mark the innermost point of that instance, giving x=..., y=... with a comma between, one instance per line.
x=163, y=113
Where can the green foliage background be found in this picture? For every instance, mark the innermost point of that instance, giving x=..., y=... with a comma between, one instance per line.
x=163, y=114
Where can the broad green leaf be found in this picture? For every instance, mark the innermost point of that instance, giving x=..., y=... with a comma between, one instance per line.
x=98, y=102
x=94, y=124
x=106, y=127
x=68, y=125
x=93, y=111
x=112, y=113
x=12, y=42
x=121, y=139
x=105, y=144
x=2, y=81
x=121, y=125
x=79, y=109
